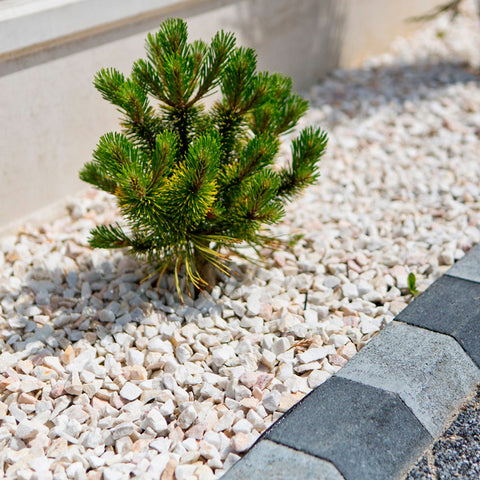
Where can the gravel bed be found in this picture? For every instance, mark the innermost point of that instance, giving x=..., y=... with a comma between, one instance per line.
x=103, y=376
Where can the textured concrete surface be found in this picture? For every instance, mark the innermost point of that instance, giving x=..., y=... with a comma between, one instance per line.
x=367, y=433
x=452, y=306
x=468, y=336
x=456, y=454
x=430, y=371
x=277, y=462
x=468, y=267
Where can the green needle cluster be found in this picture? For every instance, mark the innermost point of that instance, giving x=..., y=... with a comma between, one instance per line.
x=192, y=181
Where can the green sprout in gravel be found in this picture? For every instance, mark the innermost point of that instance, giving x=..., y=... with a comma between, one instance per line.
x=412, y=284
x=193, y=182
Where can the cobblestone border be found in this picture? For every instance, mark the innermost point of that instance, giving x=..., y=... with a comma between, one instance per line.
x=379, y=413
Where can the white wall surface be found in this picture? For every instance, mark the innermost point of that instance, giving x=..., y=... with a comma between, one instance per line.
x=51, y=116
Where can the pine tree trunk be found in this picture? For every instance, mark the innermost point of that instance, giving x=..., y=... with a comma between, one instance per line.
x=206, y=271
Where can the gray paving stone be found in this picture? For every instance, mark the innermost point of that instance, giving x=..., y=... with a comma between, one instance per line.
x=269, y=460
x=430, y=371
x=366, y=432
x=468, y=267
x=468, y=337
x=452, y=306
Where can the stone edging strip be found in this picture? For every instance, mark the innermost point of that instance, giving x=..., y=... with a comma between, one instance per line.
x=377, y=415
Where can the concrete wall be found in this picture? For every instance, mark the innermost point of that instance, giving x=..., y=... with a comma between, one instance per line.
x=51, y=116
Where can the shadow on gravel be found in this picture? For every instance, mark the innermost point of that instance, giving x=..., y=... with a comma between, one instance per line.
x=91, y=299
x=55, y=309
x=360, y=92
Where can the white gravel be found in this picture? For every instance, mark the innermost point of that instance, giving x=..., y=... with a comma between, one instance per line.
x=103, y=377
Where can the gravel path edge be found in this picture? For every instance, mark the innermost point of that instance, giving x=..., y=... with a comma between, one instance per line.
x=408, y=384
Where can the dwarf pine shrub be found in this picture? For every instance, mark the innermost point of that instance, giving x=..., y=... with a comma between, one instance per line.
x=191, y=181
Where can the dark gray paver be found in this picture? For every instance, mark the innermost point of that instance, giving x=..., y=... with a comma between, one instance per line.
x=269, y=460
x=468, y=267
x=366, y=432
x=468, y=337
x=429, y=370
x=456, y=454
x=451, y=306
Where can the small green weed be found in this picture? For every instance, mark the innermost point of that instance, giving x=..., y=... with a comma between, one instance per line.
x=294, y=239
x=412, y=284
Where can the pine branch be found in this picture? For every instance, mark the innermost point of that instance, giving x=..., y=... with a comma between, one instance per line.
x=132, y=101
x=109, y=236
x=280, y=110
x=307, y=150
x=258, y=153
x=239, y=79
x=108, y=82
x=259, y=204
x=255, y=206
x=191, y=191
x=288, y=114
x=230, y=126
x=163, y=158
x=177, y=80
x=137, y=196
x=140, y=124
x=180, y=121
x=452, y=7
x=113, y=153
x=214, y=63
x=171, y=39
x=145, y=73
x=92, y=174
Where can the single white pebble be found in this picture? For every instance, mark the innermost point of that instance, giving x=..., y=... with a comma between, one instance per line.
x=26, y=430
x=185, y=472
x=156, y=421
x=317, y=377
x=271, y=400
x=187, y=417
x=222, y=355
x=76, y=471
x=135, y=357
x=130, y=391
x=269, y=358
x=350, y=290
x=241, y=442
x=243, y=426
x=167, y=408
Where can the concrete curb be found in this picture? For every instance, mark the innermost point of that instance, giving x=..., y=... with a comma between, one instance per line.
x=379, y=413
